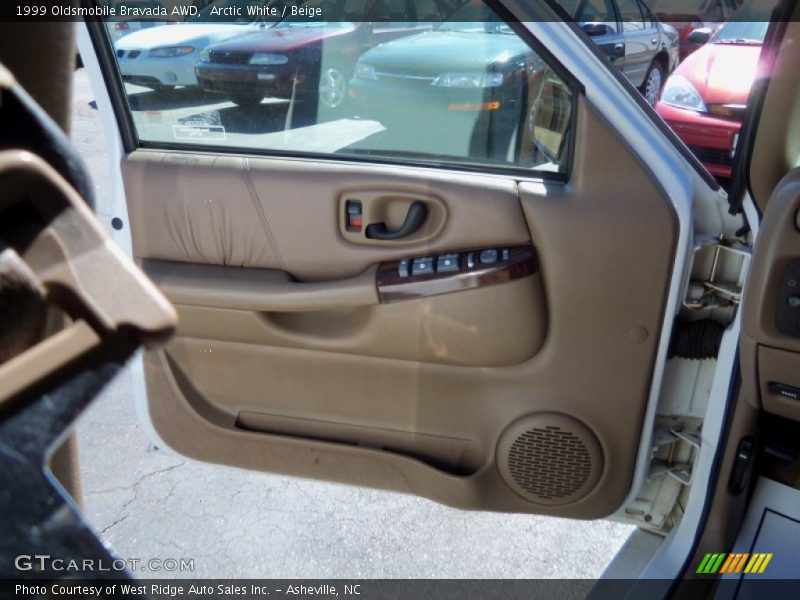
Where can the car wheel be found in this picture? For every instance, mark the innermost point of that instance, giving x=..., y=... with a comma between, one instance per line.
x=653, y=82
x=332, y=92
x=247, y=100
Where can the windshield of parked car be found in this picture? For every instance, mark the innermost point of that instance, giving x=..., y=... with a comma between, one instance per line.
x=475, y=17
x=748, y=27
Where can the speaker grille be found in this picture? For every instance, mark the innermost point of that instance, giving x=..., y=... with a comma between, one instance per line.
x=549, y=463
x=550, y=458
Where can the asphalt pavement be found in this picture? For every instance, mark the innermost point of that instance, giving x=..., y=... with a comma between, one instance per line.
x=230, y=523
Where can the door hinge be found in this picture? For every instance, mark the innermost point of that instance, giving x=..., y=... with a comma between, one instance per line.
x=722, y=286
x=680, y=469
x=675, y=447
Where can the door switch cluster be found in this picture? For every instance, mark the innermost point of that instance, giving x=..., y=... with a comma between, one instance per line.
x=787, y=313
x=452, y=262
x=453, y=271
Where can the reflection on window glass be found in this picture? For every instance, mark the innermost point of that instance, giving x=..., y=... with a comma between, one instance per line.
x=409, y=80
x=631, y=15
x=596, y=11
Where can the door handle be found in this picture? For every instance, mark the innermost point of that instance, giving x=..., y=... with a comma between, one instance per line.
x=415, y=218
x=619, y=50
x=654, y=41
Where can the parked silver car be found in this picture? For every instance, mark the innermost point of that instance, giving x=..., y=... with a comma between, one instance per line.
x=631, y=36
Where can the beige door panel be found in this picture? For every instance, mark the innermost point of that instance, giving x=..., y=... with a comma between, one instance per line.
x=771, y=326
x=416, y=395
x=480, y=328
x=286, y=215
x=263, y=290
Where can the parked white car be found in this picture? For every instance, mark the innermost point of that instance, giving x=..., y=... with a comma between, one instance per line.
x=119, y=28
x=165, y=56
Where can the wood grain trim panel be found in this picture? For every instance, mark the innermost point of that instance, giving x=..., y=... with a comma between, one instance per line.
x=521, y=262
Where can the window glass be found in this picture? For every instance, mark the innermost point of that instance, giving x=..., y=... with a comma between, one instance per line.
x=596, y=11
x=391, y=11
x=427, y=10
x=361, y=80
x=631, y=15
x=649, y=20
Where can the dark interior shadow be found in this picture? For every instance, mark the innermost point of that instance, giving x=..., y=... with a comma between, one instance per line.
x=185, y=97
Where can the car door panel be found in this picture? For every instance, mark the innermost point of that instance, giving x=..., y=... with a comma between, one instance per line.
x=771, y=322
x=427, y=395
x=641, y=40
x=613, y=46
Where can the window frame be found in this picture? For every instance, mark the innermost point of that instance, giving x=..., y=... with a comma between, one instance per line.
x=112, y=78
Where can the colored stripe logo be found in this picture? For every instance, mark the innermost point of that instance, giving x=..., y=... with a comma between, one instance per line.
x=724, y=562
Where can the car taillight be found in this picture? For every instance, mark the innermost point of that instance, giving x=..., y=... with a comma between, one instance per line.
x=122, y=26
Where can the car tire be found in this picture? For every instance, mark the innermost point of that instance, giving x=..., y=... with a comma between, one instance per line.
x=653, y=82
x=247, y=100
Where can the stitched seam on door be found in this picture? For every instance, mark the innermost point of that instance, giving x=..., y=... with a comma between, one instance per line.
x=262, y=216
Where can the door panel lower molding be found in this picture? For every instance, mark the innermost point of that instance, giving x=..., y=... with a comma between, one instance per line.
x=448, y=454
x=489, y=327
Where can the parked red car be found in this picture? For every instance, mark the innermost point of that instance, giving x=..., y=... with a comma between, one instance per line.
x=705, y=98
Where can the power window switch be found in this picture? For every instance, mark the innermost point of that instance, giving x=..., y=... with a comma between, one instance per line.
x=447, y=263
x=489, y=257
x=402, y=269
x=422, y=266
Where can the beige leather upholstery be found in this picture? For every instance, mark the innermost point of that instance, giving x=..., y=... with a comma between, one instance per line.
x=256, y=213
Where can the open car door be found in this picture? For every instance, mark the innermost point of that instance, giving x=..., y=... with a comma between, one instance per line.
x=401, y=268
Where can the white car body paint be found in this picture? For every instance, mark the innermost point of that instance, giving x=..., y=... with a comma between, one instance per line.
x=115, y=153
x=133, y=50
